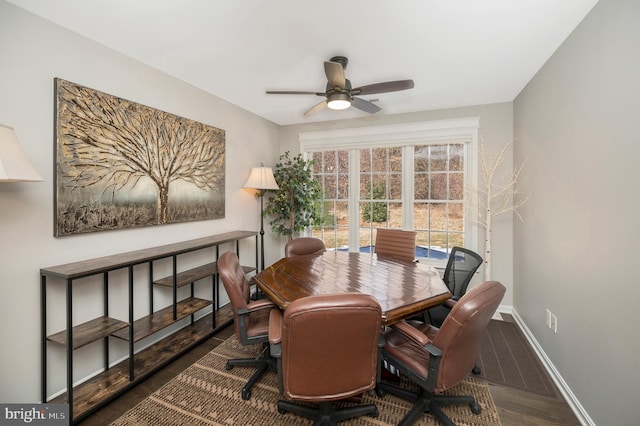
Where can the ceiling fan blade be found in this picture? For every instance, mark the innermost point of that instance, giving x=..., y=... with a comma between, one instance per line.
x=335, y=74
x=365, y=106
x=293, y=92
x=317, y=107
x=388, y=86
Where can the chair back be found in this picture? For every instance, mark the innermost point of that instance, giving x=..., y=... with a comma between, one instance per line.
x=462, y=264
x=304, y=245
x=460, y=336
x=237, y=286
x=330, y=346
x=396, y=243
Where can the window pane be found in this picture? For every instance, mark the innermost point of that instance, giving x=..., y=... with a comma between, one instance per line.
x=421, y=186
x=365, y=160
x=379, y=187
x=456, y=186
x=439, y=241
x=456, y=217
x=317, y=162
x=395, y=159
x=366, y=237
x=438, y=157
x=329, y=162
x=421, y=216
x=343, y=187
x=365, y=187
x=421, y=158
x=395, y=187
x=380, y=159
x=438, y=217
x=438, y=186
x=330, y=188
x=456, y=239
x=456, y=157
x=395, y=215
x=343, y=162
x=342, y=213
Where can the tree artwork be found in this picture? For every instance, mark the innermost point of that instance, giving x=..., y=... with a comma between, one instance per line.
x=494, y=198
x=121, y=164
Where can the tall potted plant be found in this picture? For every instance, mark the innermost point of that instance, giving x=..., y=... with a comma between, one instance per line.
x=293, y=206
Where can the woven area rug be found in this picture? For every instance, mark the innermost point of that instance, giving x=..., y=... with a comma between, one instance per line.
x=208, y=394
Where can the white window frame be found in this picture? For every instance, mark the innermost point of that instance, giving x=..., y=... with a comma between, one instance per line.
x=405, y=135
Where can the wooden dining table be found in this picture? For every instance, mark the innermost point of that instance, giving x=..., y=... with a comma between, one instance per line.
x=402, y=288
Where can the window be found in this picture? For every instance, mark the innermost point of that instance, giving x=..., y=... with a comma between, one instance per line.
x=408, y=176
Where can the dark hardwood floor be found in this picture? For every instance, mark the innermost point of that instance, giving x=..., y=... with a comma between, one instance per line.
x=515, y=406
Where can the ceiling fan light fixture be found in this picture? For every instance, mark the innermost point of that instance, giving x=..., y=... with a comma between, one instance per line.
x=339, y=101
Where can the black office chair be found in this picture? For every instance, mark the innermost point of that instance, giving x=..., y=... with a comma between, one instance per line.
x=462, y=264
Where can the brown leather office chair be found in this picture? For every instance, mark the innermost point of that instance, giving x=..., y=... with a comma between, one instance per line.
x=251, y=318
x=395, y=243
x=304, y=245
x=438, y=359
x=327, y=350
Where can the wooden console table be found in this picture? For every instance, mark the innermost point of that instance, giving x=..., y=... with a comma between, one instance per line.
x=114, y=380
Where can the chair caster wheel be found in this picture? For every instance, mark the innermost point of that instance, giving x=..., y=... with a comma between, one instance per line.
x=246, y=394
x=228, y=366
x=476, y=370
x=381, y=393
x=375, y=413
x=282, y=411
x=475, y=408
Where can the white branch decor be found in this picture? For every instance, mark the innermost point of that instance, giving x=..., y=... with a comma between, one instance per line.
x=492, y=199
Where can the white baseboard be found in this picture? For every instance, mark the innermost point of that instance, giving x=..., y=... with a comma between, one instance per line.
x=564, y=389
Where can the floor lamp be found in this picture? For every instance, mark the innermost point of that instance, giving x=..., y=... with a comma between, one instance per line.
x=261, y=178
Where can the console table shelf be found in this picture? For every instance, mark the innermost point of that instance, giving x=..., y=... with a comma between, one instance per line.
x=89, y=395
x=90, y=331
x=195, y=274
x=146, y=326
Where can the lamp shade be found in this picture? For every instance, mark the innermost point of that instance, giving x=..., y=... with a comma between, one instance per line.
x=14, y=164
x=261, y=178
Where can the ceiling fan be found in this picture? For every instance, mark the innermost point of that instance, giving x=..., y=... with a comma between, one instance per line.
x=340, y=95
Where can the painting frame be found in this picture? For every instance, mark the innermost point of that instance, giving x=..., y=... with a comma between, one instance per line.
x=122, y=165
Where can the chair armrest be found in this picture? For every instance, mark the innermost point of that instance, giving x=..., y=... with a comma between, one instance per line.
x=255, y=306
x=260, y=304
x=411, y=332
x=450, y=303
x=275, y=333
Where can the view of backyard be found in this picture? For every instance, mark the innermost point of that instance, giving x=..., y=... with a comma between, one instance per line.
x=437, y=194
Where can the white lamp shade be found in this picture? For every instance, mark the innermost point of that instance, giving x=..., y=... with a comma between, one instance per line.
x=14, y=164
x=261, y=178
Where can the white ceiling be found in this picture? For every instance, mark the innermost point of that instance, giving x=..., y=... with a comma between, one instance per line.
x=458, y=52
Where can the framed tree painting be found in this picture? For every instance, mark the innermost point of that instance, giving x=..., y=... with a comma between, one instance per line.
x=120, y=164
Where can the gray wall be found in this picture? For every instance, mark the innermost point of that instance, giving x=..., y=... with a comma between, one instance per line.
x=577, y=125
x=33, y=52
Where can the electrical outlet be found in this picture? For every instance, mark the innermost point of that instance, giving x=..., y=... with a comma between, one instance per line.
x=547, y=318
x=553, y=323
